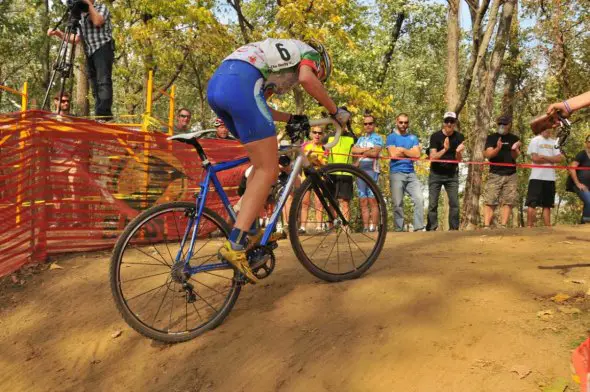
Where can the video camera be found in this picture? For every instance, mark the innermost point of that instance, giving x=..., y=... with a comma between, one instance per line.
x=77, y=7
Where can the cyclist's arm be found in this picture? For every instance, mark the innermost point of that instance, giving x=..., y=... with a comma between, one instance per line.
x=310, y=83
x=575, y=103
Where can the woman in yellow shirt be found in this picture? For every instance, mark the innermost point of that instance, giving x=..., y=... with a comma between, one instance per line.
x=316, y=154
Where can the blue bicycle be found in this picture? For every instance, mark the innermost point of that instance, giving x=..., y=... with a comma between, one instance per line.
x=167, y=280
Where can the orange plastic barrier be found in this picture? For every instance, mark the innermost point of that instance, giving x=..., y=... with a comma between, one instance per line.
x=70, y=184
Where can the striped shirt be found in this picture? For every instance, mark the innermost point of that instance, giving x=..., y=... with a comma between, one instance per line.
x=95, y=37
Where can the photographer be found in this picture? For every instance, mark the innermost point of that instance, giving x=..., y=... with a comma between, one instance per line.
x=96, y=29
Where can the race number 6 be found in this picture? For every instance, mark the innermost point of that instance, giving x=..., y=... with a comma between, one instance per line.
x=284, y=53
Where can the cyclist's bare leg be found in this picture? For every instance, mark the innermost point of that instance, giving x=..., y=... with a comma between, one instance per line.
x=264, y=157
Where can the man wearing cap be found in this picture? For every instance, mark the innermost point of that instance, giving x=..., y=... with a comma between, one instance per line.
x=446, y=144
x=502, y=186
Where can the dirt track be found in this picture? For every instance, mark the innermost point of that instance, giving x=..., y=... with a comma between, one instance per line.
x=438, y=312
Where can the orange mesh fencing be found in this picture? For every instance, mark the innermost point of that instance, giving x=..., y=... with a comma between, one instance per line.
x=69, y=185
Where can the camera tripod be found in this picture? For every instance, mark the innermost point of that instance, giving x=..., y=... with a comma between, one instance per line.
x=64, y=64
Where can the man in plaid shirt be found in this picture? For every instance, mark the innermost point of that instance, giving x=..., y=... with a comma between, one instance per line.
x=99, y=46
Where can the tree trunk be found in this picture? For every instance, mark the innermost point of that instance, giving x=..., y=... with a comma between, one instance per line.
x=487, y=79
x=299, y=100
x=453, y=36
x=395, y=33
x=81, y=76
x=511, y=72
x=45, y=49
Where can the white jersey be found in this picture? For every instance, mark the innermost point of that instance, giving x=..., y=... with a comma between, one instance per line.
x=278, y=60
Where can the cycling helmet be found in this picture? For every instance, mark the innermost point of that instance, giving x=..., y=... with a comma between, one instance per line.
x=218, y=122
x=325, y=61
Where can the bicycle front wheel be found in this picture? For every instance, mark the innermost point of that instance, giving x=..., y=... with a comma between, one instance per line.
x=334, y=250
x=150, y=296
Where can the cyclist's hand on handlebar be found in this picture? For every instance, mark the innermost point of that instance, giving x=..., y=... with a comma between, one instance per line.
x=342, y=116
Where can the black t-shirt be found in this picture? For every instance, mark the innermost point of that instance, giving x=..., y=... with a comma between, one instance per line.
x=505, y=154
x=437, y=141
x=584, y=161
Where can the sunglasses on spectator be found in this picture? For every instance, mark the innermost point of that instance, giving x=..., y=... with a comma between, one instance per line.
x=449, y=121
x=184, y=115
x=368, y=123
x=317, y=133
x=403, y=122
x=63, y=100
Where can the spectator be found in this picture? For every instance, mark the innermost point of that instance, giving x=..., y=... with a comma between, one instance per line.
x=100, y=54
x=221, y=131
x=183, y=121
x=446, y=144
x=63, y=107
x=541, y=191
x=315, y=152
x=579, y=182
x=502, y=185
x=341, y=185
x=369, y=146
x=402, y=177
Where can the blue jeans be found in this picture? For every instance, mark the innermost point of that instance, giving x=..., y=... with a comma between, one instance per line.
x=451, y=184
x=401, y=183
x=585, y=197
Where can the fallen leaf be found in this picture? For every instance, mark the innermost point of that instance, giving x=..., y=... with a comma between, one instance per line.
x=558, y=385
x=568, y=310
x=545, y=315
x=116, y=334
x=521, y=370
x=560, y=297
x=576, y=281
x=55, y=266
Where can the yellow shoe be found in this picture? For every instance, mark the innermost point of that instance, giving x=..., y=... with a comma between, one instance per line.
x=256, y=238
x=238, y=259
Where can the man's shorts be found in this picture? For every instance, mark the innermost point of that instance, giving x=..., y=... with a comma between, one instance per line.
x=540, y=194
x=235, y=93
x=340, y=186
x=501, y=190
x=362, y=188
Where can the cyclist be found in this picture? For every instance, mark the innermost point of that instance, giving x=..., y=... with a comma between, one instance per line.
x=570, y=105
x=237, y=93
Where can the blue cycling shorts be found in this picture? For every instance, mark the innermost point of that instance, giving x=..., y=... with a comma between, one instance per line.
x=235, y=93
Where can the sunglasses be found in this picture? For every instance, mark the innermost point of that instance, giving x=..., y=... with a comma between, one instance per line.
x=317, y=133
x=63, y=100
x=403, y=122
x=368, y=123
x=184, y=115
x=449, y=121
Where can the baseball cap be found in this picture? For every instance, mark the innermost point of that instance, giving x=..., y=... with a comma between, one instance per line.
x=504, y=120
x=452, y=115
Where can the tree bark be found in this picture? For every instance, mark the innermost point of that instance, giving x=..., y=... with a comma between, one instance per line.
x=395, y=33
x=81, y=76
x=453, y=36
x=45, y=59
x=299, y=100
x=487, y=79
x=511, y=72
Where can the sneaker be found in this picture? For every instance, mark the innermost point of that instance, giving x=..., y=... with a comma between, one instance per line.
x=237, y=258
x=302, y=230
x=372, y=229
x=256, y=238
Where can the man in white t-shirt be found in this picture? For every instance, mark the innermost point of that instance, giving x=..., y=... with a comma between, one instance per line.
x=541, y=192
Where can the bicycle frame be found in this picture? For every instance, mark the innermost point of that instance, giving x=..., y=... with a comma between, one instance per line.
x=211, y=171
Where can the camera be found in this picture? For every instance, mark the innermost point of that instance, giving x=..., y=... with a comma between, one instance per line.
x=77, y=7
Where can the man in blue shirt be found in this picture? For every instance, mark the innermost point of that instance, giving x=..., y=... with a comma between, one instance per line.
x=402, y=177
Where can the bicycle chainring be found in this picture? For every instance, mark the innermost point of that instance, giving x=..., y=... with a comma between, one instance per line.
x=262, y=261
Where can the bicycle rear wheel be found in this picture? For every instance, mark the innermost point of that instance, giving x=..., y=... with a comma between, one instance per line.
x=337, y=251
x=149, y=296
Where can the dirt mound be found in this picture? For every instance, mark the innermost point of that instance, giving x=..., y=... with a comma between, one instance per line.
x=493, y=311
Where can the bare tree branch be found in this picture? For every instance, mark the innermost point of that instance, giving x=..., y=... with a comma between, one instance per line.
x=395, y=34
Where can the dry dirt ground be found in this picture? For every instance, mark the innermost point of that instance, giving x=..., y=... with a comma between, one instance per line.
x=437, y=312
